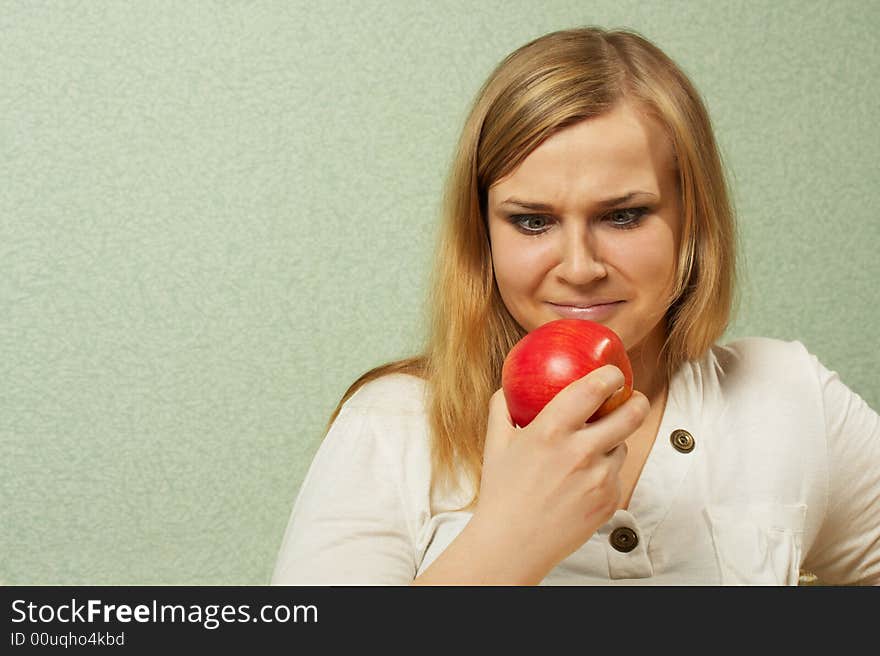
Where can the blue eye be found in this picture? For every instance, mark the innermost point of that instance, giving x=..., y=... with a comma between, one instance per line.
x=533, y=224
x=626, y=218
x=537, y=224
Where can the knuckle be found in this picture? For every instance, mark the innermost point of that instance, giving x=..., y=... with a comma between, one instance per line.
x=613, y=376
x=636, y=411
x=588, y=450
x=541, y=432
x=632, y=418
x=618, y=456
x=554, y=433
x=598, y=386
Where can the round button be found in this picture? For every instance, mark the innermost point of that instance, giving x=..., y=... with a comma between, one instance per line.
x=624, y=539
x=682, y=441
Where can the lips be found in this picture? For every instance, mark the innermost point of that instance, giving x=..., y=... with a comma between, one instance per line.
x=595, y=311
x=587, y=303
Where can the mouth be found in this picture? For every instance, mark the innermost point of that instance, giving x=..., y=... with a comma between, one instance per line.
x=595, y=312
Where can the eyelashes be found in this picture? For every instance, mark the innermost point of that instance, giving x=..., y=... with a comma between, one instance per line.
x=622, y=219
x=633, y=216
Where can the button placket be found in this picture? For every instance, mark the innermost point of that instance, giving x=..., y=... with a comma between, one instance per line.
x=626, y=551
x=661, y=479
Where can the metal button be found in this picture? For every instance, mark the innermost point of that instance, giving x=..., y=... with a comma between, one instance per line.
x=624, y=539
x=682, y=441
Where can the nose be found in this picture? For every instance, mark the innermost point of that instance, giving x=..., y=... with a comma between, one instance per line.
x=580, y=263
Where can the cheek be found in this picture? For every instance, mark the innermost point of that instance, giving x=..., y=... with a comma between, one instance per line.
x=650, y=262
x=517, y=264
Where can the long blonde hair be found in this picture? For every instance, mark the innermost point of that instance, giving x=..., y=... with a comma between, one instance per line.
x=542, y=87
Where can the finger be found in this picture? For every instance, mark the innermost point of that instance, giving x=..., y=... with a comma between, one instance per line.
x=618, y=453
x=603, y=435
x=499, y=425
x=569, y=410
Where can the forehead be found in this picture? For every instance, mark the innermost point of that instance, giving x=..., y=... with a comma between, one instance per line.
x=621, y=150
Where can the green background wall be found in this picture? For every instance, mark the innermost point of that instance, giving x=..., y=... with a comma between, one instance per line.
x=215, y=215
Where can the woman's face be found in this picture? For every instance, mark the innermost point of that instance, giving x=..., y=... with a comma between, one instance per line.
x=563, y=247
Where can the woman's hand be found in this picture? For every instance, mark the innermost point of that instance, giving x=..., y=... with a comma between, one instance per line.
x=546, y=488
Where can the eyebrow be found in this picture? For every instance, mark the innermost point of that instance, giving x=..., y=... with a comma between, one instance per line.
x=608, y=202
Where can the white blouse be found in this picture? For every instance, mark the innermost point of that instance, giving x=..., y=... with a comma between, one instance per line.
x=783, y=475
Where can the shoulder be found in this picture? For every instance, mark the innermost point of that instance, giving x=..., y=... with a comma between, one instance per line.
x=388, y=412
x=757, y=371
x=390, y=394
x=757, y=351
x=381, y=427
x=756, y=359
x=753, y=368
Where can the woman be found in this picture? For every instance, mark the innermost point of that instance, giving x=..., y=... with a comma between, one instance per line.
x=588, y=184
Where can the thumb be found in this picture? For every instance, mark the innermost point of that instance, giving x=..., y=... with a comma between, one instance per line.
x=499, y=427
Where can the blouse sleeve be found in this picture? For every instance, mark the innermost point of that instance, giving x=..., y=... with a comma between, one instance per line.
x=847, y=548
x=348, y=525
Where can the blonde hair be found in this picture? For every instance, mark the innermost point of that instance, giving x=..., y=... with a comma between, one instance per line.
x=542, y=87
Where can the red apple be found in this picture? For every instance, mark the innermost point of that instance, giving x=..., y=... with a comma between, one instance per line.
x=554, y=355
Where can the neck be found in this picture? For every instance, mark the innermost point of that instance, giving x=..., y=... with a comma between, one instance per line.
x=649, y=376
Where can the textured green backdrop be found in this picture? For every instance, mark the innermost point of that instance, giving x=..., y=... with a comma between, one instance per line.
x=215, y=215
